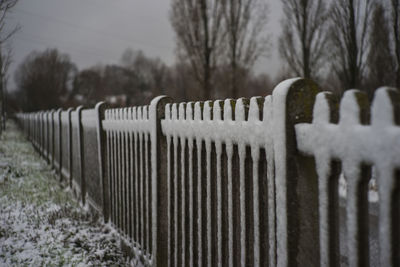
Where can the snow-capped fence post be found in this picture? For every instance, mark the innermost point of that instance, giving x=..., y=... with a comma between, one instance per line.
x=52, y=143
x=38, y=132
x=30, y=130
x=159, y=181
x=45, y=135
x=359, y=143
x=101, y=143
x=34, y=126
x=69, y=145
x=35, y=130
x=59, y=139
x=81, y=163
x=27, y=125
x=295, y=178
x=40, y=126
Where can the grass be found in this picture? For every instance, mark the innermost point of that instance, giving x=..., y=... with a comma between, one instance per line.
x=41, y=224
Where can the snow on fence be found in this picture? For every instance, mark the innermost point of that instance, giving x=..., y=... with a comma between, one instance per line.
x=359, y=139
x=216, y=204
x=247, y=182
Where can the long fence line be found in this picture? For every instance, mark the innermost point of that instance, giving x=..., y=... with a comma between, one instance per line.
x=247, y=182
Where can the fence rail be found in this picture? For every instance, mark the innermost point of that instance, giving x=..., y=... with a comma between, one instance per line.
x=247, y=182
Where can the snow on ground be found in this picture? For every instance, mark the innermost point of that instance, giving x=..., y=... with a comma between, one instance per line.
x=40, y=223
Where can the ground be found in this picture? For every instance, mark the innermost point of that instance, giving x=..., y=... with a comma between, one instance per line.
x=41, y=223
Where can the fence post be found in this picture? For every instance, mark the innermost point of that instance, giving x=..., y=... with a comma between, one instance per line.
x=69, y=141
x=101, y=148
x=159, y=182
x=40, y=131
x=59, y=144
x=52, y=137
x=295, y=177
x=80, y=154
x=48, y=114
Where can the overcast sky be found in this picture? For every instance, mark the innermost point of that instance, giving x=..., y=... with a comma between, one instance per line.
x=98, y=31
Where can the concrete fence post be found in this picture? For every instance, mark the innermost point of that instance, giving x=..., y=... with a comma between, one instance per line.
x=101, y=148
x=42, y=134
x=46, y=130
x=159, y=181
x=59, y=137
x=40, y=139
x=52, y=137
x=69, y=141
x=295, y=177
x=80, y=154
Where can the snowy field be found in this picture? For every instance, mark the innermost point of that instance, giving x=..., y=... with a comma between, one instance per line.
x=41, y=224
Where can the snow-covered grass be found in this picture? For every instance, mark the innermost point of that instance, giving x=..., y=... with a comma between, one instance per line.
x=41, y=224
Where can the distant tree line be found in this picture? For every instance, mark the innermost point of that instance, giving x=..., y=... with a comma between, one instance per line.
x=341, y=44
x=49, y=80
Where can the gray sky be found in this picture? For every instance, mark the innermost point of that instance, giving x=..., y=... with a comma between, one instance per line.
x=98, y=31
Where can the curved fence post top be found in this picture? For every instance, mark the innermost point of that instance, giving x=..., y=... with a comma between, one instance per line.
x=156, y=104
x=292, y=102
x=157, y=99
x=100, y=104
x=80, y=108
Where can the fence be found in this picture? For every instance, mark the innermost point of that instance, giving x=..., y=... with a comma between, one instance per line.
x=235, y=182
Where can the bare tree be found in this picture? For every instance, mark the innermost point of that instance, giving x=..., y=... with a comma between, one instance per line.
x=151, y=71
x=5, y=54
x=349, y=36
x=44, y=80
x=395, y=25
x=381, y=64
x=199, y=33
x=244, y=22
x=5, y=61
x=303, y=41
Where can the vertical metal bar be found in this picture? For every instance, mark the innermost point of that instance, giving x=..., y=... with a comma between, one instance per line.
x=191, y=211
x=175, y=145
x=119, y=176
x=183, y=200
x=229, y=152
x=242, y=197
x=199, y=201
x=115, y=172
x=146, y=192
x=255, y=151
x=218, y=149
x=137, y=172
x=169, y=178
x=141, y=240
x=132, y=185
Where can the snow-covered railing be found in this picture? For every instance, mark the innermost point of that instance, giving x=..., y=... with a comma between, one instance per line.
x=358, y=141
x=247, y=182
x=128, y=133
x=217, y=152
x=93, y=182
x=66, y=161
x=132, y=169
